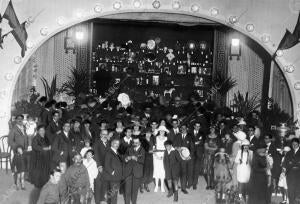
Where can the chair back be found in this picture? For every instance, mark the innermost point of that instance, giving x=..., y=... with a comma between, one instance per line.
x=4, y=147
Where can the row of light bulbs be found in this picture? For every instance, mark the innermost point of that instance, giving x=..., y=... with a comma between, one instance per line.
x=265, y=38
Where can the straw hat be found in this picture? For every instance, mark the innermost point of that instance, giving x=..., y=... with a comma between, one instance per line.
x=184, y=153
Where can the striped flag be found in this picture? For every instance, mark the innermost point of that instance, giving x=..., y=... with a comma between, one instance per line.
x=18, y=30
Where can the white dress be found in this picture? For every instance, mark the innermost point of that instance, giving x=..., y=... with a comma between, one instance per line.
x=158, y=162
x=243, y=169
x=92, y=169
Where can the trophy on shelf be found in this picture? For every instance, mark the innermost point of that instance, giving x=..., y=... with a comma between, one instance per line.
x=155, y=80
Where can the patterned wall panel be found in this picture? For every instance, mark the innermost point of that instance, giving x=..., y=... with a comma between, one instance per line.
x=248, y=71
x=221, y=54
x=63, y=61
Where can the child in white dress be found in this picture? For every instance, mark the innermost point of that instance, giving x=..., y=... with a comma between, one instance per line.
x=92, y=169
x=243, y=167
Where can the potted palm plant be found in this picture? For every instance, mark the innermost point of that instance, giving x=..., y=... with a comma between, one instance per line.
x=244, y=105
x=77, y=83
x=222, y=84
x=50, y=90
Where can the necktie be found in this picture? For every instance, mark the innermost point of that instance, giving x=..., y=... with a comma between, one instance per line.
x=183, y=136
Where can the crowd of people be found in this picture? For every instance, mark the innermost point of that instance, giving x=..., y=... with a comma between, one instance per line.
x=106, y=149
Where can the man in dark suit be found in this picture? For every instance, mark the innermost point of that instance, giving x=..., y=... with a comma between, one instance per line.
x=172, y=161
x=186, y=166
x=174, y=131
x=46, y=114
x=252, y=139
x=62, y=147
x=113, y=171
x=100, y=147
x=197, y=136
x=291, y=166
x=54, y=127
x=126, y=141
x=133, y=171
x=17, y=135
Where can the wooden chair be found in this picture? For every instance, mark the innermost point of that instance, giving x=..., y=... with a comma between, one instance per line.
x=5, y=152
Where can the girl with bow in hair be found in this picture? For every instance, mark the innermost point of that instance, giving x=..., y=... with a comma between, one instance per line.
x=243, y=161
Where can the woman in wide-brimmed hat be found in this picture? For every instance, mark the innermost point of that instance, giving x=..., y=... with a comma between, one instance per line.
x=158, y=155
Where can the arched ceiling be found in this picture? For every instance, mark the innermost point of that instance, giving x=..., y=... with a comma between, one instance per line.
x=265, y=21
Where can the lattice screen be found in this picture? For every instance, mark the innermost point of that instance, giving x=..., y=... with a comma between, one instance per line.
x=248, y=71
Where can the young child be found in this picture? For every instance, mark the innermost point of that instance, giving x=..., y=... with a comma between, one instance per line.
x=18, y=167
x=243, y=161
x=87, y=146
x=222, y=174
x=172, y=168
x=282, y=179
x=92, y=169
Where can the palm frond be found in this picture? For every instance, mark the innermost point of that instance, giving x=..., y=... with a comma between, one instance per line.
x=77, y=83
x=50, y=90
x=223, y=83
x=244, y=105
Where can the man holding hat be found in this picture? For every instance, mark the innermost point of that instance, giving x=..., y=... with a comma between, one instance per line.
x=172, y=161
x=184, y=140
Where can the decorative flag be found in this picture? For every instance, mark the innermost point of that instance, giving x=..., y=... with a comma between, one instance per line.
x=289, y=40
x=296, y=32
x=19, y=31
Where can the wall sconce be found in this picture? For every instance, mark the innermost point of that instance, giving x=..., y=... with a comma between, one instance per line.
x=235, y=48
x=69, y=43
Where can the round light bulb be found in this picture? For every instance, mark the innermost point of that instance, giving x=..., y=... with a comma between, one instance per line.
x=176, y=5
x=250, y=27
x=195, y=8
x=61, y=21
x=156, y=4
x=117, y=5
x=233, y=19
x=289, y=68
x=297, y=85
x=214, y=12
x=97, y=9
x=44, y=31
x=265, y=38
x=17, y=60
x=9, y=76
x=137, y=4
x=279, y=53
